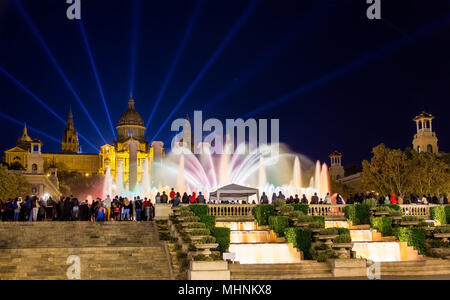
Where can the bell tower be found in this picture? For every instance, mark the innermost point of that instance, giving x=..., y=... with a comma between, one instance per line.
x=425, y=139
x=70, y=144
x=336, y=169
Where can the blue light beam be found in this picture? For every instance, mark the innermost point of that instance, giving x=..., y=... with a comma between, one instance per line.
x=301, y=30
x=358, y=63
x=41, y=40
x=237, y=26
x=97, y=79
x=41, y=102
x=134, y=38
x=175, y=61
x=39, y=132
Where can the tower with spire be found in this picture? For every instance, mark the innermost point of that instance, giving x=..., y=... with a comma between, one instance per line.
x=69, y=143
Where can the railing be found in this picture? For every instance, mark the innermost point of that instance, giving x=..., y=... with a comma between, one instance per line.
x=245, y=210
x=416, y=210
x=230, y=210
x=326, y=210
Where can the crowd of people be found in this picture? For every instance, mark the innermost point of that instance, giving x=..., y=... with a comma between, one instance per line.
x=399, y=199
x=34, y=209
x=315, y=199
x=142, y=209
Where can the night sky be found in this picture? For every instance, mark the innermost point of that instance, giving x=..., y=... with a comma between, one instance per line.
x=335, y=79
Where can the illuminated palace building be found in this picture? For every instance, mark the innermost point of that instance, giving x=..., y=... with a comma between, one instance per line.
x=131, y=149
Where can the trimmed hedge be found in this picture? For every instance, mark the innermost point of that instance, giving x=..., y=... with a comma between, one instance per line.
x=358, y=213
x=343, y=231
x=394, y=207
x=222, y=235
x=210, y=221
x=301, y=207
x=278, y=224
x=441, y=213
x=301, y=238
x=320, y=220
x=199, y=209
x=414, y=236
x=262, y=213
x=382, y=224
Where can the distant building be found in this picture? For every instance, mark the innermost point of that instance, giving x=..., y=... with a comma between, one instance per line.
x=425, y=139
x=26, y=157
x=336, y=169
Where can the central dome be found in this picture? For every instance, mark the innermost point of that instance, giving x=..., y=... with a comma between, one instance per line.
x=131, y=117
x=131, y=125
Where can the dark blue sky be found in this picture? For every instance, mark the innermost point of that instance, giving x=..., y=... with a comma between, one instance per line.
x=358, y=82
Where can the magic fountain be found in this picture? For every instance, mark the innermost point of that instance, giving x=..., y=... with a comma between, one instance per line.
x=268, y=170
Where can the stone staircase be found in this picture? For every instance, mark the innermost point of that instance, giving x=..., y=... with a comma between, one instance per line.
x=426, y=267
x=303, y=270
x=119, y=250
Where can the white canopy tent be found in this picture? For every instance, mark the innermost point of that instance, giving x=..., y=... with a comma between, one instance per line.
x=234, y=191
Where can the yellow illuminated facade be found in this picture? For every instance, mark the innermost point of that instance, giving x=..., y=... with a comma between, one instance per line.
x=130, y=128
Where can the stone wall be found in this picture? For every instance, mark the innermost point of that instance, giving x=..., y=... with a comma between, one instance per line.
x=106, y=251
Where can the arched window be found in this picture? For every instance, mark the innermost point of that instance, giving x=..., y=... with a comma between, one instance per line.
x=418, y=149
x=34, y=168
x=430, y=149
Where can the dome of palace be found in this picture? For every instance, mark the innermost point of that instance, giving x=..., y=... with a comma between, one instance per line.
x=131, y=117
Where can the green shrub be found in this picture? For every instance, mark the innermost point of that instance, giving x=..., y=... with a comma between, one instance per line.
x=382, y=208
x=192, y=247
x=286, y=210
x=199, y=209
x=207, y=240
x=394, y=207
x=414, y=236
x=442, y=229
x=304, y=208
x=191, y=219
x=432, y=243
x=342, y=231
x=370, y=202
x=305, y=219
x=196, y=225
x=395, y=213
x=320, y=220
x=222, y=235
x=200, y=257
x=262, y=213
x=382, y=224
x=198, y=232
x=343, y=239
x=186, y=213
x=301, y=238
x=278, y=224
x=358, y=213
x=441, y=213
x=329, y=231
x=209, y=221
x=278, y=203
x=322, y=256
x=410, y=219
x=295, y=214
x=316, y=225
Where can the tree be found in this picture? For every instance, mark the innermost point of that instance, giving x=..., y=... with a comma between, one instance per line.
x=430, y=174
x=12, y=185
x=341, y=189
x=406, y=172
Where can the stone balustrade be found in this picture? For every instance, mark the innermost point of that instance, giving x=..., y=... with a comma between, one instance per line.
x=245, y=210
x=230, y=210
x=326, y=210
